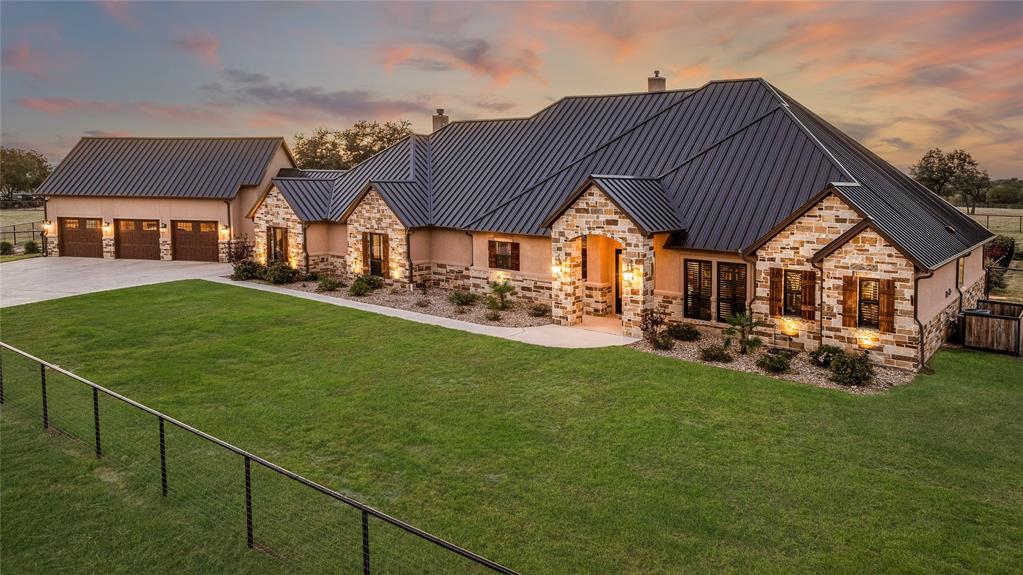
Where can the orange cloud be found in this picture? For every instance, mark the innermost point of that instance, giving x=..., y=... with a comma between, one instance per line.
x=121, y=12
x=501, y=63
x=201, y=44
x=23, y=58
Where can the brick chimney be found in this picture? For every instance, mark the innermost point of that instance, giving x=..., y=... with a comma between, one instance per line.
x=656, y=83
x=440, y=119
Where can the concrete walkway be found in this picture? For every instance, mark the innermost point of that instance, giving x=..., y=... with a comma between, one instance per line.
x=546, y=335
x=39, y=279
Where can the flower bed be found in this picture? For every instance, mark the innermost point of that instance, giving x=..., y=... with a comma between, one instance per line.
x=438, y=304
x=802, y=370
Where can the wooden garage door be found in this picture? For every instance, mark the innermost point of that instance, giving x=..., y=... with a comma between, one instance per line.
x=137, y=239
x=195, y=241
x=81, y=237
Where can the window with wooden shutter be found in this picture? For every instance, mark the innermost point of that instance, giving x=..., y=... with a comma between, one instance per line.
x=731, y=290
x=583, y=243
x=776, y=296
x=503, y=255
x=698, y=286
x=808, y=304
x=869, y=315
x=792, y=304
x=886, y=303
x=365, y=252
x=849, y=301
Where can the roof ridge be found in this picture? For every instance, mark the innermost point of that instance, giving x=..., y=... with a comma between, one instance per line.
x=738, y=131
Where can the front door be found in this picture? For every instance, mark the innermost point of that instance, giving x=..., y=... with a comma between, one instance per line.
x=618, y=281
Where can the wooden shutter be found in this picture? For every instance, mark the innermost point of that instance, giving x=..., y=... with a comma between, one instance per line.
x=385, y=255
x=777, y=292
x=809, y=295
x=491, y=254
x=365, y=252
x=515, y=256
x=886, y=301
x=849, y=301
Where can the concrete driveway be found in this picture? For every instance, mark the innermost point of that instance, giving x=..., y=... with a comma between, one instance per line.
x=38, y=279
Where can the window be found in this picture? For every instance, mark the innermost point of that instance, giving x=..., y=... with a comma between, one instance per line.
x=870, y=303
x=70, y=224
x=698, y=289
x=207, y=227
x=183, y=226
x=961, y=272
x=792, y=304
x=126, y=225
x=503, y=255
x=276, y=244
x=151, y=225
x=584, y=256
x=376, y=254
x=92, y=224
x=731, y=290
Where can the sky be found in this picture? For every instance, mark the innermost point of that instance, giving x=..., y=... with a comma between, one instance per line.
x=899, y=77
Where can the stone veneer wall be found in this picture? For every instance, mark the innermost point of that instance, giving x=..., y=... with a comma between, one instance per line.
x=792, y=249
x=598, y=298
x=593, y=213
x=51, y=246
x=936, y=331
x=275, y=211
x=529, y=289
x=374, y=216
x=868, y=255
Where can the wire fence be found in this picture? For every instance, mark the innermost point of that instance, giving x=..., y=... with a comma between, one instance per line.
x=18, y=234
x=240, y=497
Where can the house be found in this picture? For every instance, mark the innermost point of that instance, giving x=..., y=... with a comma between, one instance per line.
x=702, y=202
x=158, y=198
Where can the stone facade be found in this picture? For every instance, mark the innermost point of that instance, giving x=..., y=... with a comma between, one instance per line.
x=598, y=298
x=332, y=264
x=936, y=331
x=51, y=246
x=166, y=247
x=374, y=216
x=109, y=251
x=593, y=213
x=275, y=212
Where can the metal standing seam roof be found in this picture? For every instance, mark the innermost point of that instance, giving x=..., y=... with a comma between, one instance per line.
x=213, y=168
x=315, y=174
x=309, y=197
x=642, y=199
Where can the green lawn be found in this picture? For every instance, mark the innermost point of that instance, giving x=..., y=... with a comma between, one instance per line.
x=550, y=461
x=11, y=217
x=16, y=257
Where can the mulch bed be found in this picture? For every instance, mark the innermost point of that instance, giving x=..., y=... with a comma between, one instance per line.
x=801, y=371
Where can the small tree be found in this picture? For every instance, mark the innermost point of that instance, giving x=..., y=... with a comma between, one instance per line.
x=934, y=171
x=21, y=171
x=500, y=292
x=741, y=326
x=951, y=174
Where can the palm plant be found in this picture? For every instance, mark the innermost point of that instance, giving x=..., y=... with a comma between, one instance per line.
x=741, y=326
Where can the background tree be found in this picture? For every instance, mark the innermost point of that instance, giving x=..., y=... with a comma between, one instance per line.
x=339, y=150
x=1007, y=191
x=21, y=171
x=970, y=182
x=934, y=171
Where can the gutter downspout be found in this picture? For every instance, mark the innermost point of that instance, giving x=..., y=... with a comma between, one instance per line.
x=958, y=280
x=916, y=317
x=229, y=226
x=472, y=250
x=408, y=256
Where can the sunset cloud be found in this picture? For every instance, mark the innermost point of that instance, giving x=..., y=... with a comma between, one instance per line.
x=201, y=44
x=481, y=57
x=122, y=12
x=158, y=111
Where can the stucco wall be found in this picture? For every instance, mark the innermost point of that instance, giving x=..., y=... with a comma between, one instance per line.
x=242, y=225
x=669, y=282
x=939, y=290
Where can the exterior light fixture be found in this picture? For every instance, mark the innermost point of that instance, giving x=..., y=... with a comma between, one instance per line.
x=47, y=226
x=628, y=275
x=789, y=326
x=108, y=229
x=225, y=232
x=163, y=225
x=867, y=338
x=556, y=268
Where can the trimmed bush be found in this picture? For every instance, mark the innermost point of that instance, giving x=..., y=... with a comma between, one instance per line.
x=663, y=342
x=280, y=273
x=539, y=310
x=240, y=250
x=462, y=298
x=328, y=283
x=248, y=270
x=359, y=287
x=825, y=354
x=852, y=369
x=31, y=247
x=652, y=323
x=716, y=353
x=775, y=362
x=6, y=248
x=374, y=282
x=683, y=332
x=493, y=315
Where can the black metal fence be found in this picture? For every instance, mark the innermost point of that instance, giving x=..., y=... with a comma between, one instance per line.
x=18, y=234
x=241, y=496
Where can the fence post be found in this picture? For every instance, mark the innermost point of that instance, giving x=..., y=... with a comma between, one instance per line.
x=248, y=502
x=42, y=381
x=365, y=542
x=95, y=419
x=163, y=461
x=1, y=378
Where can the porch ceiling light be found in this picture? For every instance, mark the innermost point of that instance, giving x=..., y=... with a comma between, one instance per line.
x=867, y=338
x=789, y=326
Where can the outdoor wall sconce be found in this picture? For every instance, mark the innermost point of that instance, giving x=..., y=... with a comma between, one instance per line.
x=225, y=232
x=108, y=229
x=867, y=339
x=47, y=226
x=628, y=275
x=789, y=326
x=556, y=268
x=163, y=225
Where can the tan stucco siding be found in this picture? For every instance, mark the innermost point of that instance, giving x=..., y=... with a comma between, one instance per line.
x=939, y=290
x=669, y=277
x=316, y=235
x=110, y=209
x=248, y=195
x=534, y=253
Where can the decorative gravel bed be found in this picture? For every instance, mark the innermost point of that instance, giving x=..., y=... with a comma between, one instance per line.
x=438, y=304
x=801, y=371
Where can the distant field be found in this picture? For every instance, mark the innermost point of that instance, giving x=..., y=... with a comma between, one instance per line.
x=23, y=218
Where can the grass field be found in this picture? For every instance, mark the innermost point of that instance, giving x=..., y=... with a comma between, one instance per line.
x=12, y=217
x=16, y=257
x=1003, y=221
x=547, y=460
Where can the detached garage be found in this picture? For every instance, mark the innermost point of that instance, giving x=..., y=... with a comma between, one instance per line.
x=158, y=198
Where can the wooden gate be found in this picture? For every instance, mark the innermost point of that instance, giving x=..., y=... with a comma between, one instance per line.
x=994, y=326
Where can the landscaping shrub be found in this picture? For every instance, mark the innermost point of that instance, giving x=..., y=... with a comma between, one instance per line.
x=852, y=369
x=652, y=323
x=500, y=291
x=239, y=250
x=359, y=287
x=248, y=270
x=995, y=275
x=462, y=298
x=422, y=302
x=31, y=247
x=775, y=362
x=328, y=283
x=539, y=310
x=310, y=277
x=825, y=354
x=493, y=315
x=1001, y=250
x=663, y=342
x=683, y=332
x=716, y=353
x=374, y=282
x=280, y=273
x=741, y=326
x=6, y=248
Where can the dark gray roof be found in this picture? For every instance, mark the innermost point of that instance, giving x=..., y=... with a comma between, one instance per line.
x=304, y=173
x=309, y=197
x=643, y=199
x=162, y=167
